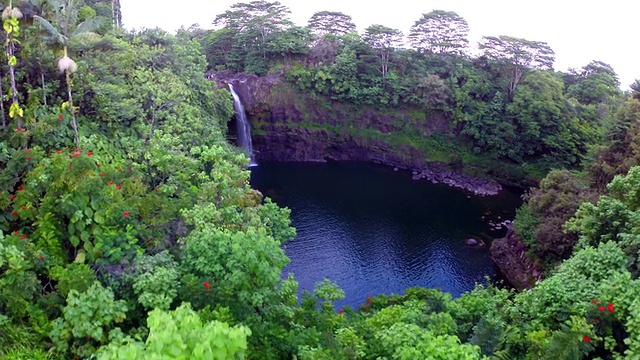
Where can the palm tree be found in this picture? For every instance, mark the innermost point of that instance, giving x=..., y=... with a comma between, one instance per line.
x=65, y=15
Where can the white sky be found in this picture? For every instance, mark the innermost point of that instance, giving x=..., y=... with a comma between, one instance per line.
x=577, y=30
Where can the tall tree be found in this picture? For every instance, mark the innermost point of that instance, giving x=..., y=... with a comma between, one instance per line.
x=595, y=82
x=291, y=42
x=440, y=32
x=384, y=40
x=65, y=31
x=330, y=22
x=255, y=21
x=518, y=55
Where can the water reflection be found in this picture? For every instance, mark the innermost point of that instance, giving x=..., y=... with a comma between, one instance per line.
x=376, y=231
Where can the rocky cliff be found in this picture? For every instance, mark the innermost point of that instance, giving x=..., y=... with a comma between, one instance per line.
x=290, y=126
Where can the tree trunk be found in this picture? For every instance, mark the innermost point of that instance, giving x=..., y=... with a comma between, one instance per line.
x=44, y=89
x=4, y=117
x=74, y=124
x=12, y=76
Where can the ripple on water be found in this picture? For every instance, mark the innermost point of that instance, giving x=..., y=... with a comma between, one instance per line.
x=374, y=231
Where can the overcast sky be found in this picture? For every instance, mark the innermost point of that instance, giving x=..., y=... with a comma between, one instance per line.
x=578, y=31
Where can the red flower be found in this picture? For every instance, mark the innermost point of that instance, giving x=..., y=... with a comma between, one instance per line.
x=118, y=187
x=101, y=174
x=110, y=183
x=207, y=285
x=19, y=130
x=59, y=152
x=610, y=307
x=601, y=308
x=16, y=233
x=60, y=117
x=28, y=151
x=125, y=214
x=340, y=311
x=586, y=338
x=22, y=237
x=76, y=154
x=90, y=153
x=14, y=213
x=13, y=197
x=24, y=207
x=20, y=188
x=28, y=157
x=155, y=190
x=41, y=258
x=130, y=169
x=69, y=166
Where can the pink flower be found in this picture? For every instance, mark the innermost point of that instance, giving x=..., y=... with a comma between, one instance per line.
x=340, y=311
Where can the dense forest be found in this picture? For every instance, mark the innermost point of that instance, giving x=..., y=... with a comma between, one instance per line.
x=124, y=236
x=500, y=96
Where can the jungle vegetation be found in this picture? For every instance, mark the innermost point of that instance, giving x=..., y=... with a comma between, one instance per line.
x=124, y=236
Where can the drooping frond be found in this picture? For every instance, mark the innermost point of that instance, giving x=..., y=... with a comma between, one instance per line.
x=88, y=26
x=56, y=36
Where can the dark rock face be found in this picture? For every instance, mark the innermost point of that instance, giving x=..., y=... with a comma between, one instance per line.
x=509, y=255
x=298, y=127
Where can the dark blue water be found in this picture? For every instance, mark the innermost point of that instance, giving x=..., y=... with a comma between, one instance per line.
x=375, y=231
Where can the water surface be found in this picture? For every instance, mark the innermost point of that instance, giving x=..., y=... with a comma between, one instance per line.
x=374, y=230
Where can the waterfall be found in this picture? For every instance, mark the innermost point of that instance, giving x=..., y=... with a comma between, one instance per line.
x=244, y=130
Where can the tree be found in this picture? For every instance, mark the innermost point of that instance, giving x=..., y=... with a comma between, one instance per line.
x=439, y=31
x=596, y=82
x=330, y=22
x=518, y=55
x=254, y=22
x=67, y=31
x=384, y=40
x=290, y=42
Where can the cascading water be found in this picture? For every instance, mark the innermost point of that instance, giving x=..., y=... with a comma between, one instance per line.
x=244, y=130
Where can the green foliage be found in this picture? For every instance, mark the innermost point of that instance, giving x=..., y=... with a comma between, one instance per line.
x=156, y=281
x=180, y=334
x=75, y=276
x=89, y=321
x=143, y=215
x=541, y=221
x=242, y=268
